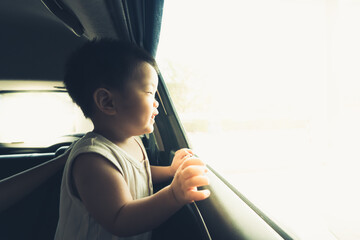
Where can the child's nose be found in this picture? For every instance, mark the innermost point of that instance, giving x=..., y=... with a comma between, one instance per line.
x=156, y=104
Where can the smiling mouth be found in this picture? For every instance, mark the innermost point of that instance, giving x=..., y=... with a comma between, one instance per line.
x=154, y=115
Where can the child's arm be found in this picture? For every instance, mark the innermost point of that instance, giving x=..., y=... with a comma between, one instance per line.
x=161, y=174
x=106, y=195
x=16, y=187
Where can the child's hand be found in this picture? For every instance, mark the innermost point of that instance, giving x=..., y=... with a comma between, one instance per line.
x=189, y=176
x=180, y=156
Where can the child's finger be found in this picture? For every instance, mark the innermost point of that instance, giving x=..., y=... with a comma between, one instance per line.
x=198, y=195
x=196, y=181
x=194, y=170
x=183, y=153
x=189, y=151
x=192, y=161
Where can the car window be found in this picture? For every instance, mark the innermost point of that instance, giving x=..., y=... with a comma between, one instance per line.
x=38, y=117
x=269, y=95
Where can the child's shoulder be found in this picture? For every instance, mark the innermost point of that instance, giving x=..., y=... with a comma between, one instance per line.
x=92, y=139
x=93, y=143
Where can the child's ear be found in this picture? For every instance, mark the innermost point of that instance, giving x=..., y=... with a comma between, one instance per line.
x=104, y=101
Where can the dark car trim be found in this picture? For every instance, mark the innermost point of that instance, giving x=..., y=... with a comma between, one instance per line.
x=260, y=213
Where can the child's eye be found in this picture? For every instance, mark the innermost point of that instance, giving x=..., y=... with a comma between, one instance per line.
x=150, y=93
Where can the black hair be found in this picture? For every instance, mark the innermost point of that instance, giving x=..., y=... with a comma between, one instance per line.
x=101, y=63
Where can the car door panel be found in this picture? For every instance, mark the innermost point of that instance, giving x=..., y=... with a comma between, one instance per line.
x=227, y=216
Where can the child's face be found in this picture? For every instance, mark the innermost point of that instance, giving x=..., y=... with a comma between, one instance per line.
x=138, y=106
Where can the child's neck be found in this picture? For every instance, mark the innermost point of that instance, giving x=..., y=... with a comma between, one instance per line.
x=128, y=144
x=115, y=137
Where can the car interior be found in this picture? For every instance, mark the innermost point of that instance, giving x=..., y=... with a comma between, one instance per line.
x=36, y=39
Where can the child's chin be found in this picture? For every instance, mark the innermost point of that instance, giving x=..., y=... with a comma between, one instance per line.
x=149, y=130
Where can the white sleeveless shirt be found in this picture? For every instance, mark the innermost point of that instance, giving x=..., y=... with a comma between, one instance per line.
x=75, y=222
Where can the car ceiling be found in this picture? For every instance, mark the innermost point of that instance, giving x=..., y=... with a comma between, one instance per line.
x=34, y=43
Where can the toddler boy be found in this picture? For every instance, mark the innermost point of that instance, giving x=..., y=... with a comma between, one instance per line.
x=106, y=190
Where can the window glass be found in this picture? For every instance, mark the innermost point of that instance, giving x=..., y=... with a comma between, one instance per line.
x=39, y=117
x=269, y=95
